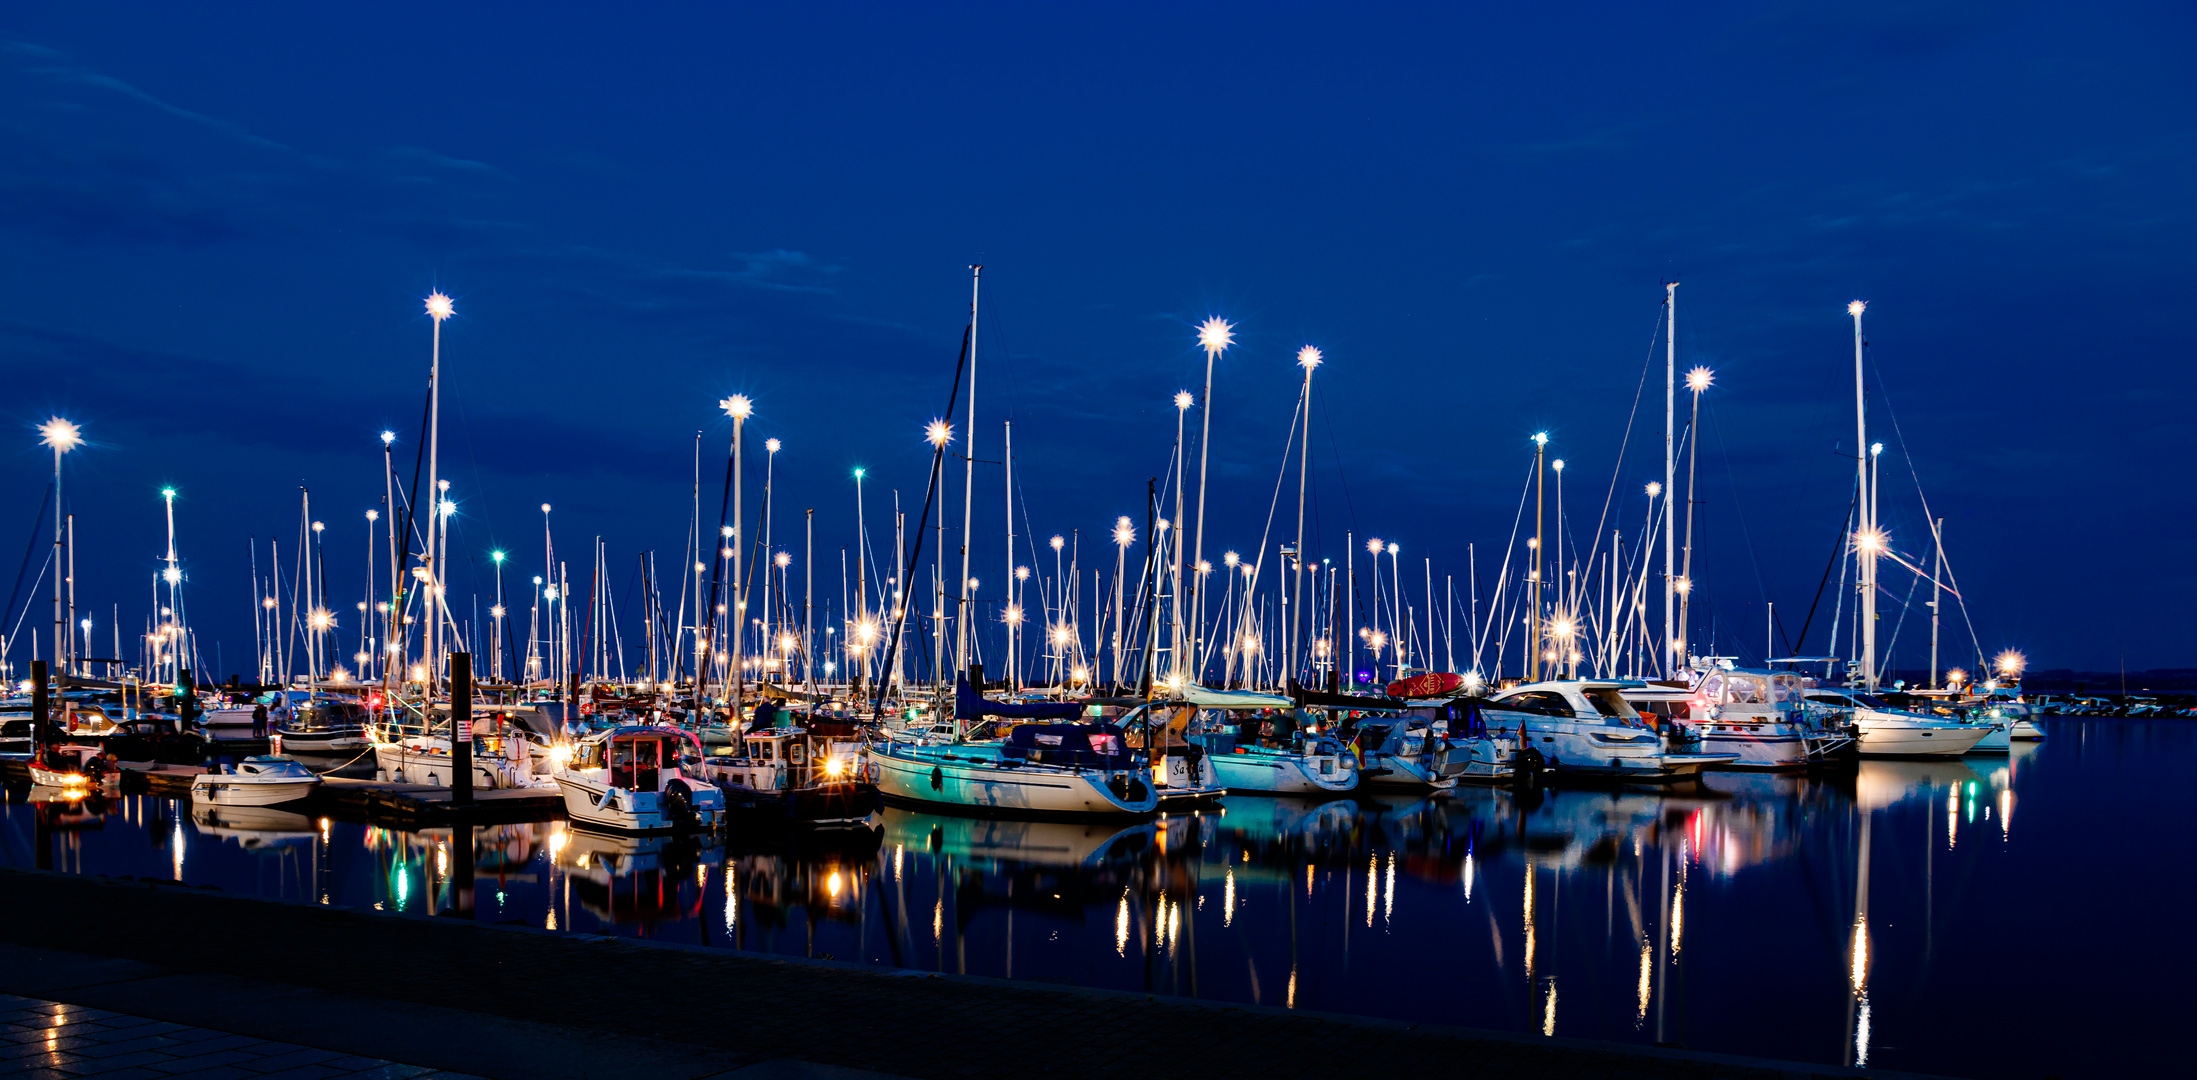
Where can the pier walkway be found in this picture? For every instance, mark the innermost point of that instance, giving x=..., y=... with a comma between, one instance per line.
x=369, y=990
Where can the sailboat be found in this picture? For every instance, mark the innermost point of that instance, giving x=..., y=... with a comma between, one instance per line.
x=1047, y=767
x=1248, y=742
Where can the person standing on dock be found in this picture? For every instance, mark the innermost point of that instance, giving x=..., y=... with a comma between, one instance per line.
x=259, y=720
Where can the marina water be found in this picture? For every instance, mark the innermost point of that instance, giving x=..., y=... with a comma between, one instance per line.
x=1922, y=916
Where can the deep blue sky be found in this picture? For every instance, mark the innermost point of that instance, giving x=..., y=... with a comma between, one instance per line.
x=219, y=223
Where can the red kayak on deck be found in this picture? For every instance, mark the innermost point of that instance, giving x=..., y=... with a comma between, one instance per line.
x=1427, y=684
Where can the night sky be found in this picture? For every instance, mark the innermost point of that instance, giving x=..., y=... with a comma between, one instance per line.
x=219, y=223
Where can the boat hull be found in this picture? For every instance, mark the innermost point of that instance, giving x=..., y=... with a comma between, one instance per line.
x=939, y=777
x=599, y=806
x=1278, y=773
x=1882, y=738
x=1770, y=747
x=224, y=789
x=404, y=765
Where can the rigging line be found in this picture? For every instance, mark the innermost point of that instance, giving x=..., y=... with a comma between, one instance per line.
x=37, y=527
x=1838, y=549
x=1899, y=436
x=1624, y=442
x=1902, y=620
x=17, y=630
x=1258, y=567
x=1502, y=578
x=915, y=555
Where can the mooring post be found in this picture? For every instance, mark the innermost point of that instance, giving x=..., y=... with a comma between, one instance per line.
x=461, y=729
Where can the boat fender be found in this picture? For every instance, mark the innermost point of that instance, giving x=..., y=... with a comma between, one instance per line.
x=938, y=779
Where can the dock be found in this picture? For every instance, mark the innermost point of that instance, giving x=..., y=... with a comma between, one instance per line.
x=376, y=801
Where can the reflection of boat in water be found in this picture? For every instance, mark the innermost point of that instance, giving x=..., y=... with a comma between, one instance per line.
x=71, y=807
x=1883, y=783
x=254, y=828
x=1036, y=843
x=632, y=877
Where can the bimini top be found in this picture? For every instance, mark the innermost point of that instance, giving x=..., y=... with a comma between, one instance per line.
x=1085, y=746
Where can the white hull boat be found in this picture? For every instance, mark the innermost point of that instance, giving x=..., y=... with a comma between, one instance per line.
x=976, y=777
x=1586, y=730
x=1888, y=732
x=1312, y=769
x=263, y=780
x=631, y=779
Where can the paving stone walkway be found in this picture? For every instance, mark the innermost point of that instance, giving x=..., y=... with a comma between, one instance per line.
x=47, y=1040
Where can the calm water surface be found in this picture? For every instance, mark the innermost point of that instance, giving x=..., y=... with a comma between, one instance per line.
x=1993, y=916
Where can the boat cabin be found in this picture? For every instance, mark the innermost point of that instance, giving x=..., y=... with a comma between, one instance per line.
x=1592, y=702
x=635, y=758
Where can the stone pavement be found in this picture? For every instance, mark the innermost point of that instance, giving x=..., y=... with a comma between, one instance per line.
x=47, y=1040
x=522, y=1003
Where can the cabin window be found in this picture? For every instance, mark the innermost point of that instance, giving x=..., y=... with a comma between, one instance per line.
x=1546, y=702
x=793, y=752
x=1610, y=703
x=763, y=751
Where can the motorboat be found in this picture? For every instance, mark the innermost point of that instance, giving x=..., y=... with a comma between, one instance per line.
x=809, y=773
x=1432, y=747
x=1240, y=741
x=1582, y=728
x=1759, y=716
x=324, y=725
x=261, y=780
x=1884, y=731
x=634, y=779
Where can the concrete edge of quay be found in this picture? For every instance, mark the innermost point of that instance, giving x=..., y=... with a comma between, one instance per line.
x=389, y=1018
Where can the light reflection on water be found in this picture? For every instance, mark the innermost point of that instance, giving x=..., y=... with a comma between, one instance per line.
x=1808, y=918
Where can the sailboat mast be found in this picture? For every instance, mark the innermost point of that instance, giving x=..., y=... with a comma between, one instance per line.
x=1866, y=508
x=1937, y=575
x=1014, y=655
x=1670, y=476
x=968, y=486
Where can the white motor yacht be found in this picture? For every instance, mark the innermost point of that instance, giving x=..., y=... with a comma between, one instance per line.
x=1889, y=732
x=1760, y=716
x=634, y=779
x=1585, y=728
x=263, y=780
